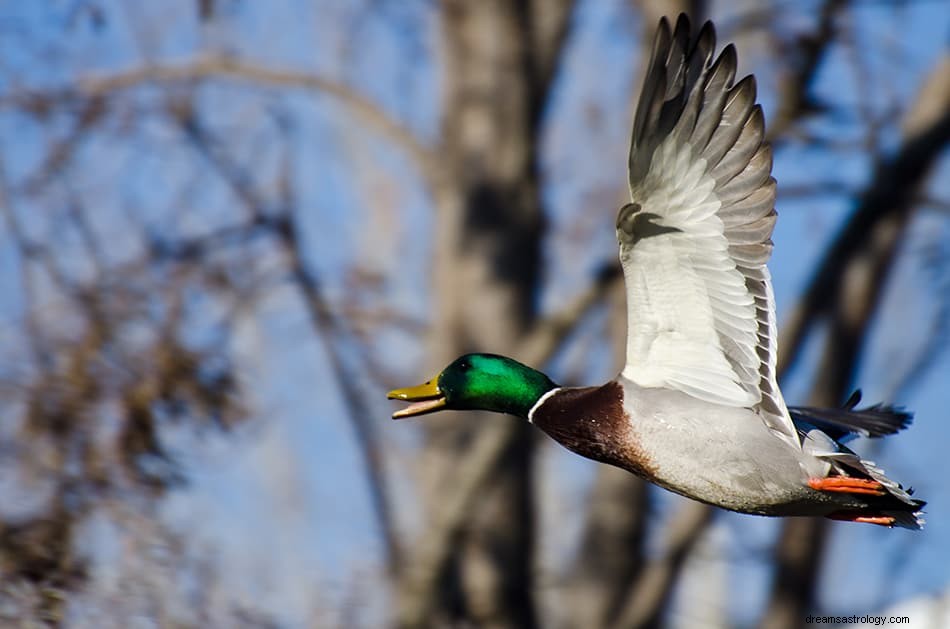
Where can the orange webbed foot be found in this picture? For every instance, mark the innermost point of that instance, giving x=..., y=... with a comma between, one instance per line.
x=848, y=485
x=851, y=516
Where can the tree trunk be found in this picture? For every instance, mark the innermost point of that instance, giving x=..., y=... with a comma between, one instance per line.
x=499, y=58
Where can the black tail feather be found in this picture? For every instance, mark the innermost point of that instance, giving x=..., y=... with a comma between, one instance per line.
x=878, y=420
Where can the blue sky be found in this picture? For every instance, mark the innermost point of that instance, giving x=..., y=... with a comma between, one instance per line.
x=281, y=506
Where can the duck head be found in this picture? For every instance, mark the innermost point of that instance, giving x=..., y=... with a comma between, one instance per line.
x=486, y=382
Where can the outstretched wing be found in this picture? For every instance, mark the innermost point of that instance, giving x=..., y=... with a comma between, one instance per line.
x=695, y=240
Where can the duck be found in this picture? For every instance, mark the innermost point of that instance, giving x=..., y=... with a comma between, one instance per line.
x=696, y=409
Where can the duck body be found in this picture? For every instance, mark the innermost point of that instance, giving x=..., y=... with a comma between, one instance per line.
x=694, y=448
x=709, y=452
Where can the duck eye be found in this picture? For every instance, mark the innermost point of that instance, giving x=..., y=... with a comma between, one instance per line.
x=465, y=366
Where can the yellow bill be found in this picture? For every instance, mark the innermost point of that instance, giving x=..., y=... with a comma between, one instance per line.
x=425, y=398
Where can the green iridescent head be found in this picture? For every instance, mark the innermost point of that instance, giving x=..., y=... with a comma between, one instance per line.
x=484, y=382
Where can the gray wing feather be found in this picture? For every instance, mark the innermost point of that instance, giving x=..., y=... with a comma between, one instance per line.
x=746, y=145
x=692, y=98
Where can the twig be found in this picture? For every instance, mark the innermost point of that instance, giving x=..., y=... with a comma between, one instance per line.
x=348, y=378
x=418, y=587
x=654, y=586
x=847, y=290
x=793, y=92
x=892, y=190
x=535, y=348
x=96, y=87
x=549, y=28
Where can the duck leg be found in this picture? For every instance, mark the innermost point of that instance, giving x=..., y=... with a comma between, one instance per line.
x=856, y=486
x=848, y=485
x=852, y=516
x=882, y=507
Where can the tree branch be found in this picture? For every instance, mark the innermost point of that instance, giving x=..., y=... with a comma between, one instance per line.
x=892, y=192
x=348, y=379
x=793, y=91
x=654, y=586
x=373, y=116
x=418, y=589
x=847, y=290
x=550, y=27
x=536, y=346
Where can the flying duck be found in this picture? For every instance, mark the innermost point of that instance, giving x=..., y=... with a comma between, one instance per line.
x=697, y=408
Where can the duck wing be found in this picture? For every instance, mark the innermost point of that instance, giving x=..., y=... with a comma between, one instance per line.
x=695, y=238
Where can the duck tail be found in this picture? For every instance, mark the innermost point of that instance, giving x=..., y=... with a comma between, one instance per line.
x=877, y=420
x=886, y=511
x=896, y=506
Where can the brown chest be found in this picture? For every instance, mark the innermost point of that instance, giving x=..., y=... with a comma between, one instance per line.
x=592, y=422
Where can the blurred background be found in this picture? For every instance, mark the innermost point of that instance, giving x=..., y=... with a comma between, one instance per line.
x=228, y=227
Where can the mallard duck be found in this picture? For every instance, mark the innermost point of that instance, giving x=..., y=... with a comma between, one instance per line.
x=697, y=408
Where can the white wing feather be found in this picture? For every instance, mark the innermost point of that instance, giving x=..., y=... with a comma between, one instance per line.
x=695, y=240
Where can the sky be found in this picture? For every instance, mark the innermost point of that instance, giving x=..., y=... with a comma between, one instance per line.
x=281, y=504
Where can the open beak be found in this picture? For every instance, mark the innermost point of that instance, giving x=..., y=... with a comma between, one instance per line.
x=425, y=398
